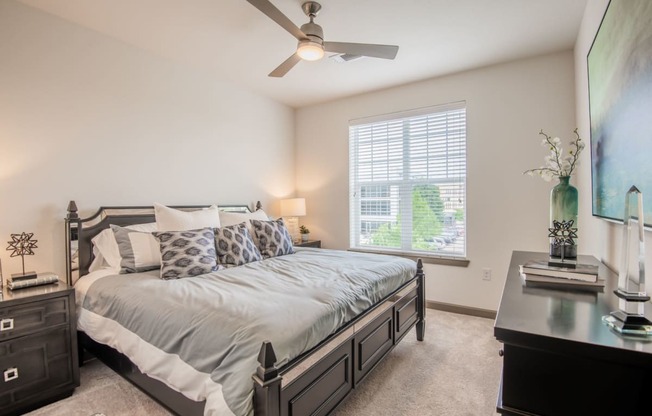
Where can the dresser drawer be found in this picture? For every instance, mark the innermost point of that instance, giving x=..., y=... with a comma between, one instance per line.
x=33, y=365
x=23, y=319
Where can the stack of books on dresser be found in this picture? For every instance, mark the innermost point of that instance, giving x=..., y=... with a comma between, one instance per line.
x=581, y=275
x=36, y=279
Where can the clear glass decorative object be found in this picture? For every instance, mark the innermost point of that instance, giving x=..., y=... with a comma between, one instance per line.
x=563, y=217
x=632, y=296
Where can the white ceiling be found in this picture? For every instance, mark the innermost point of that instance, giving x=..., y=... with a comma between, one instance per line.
x=239, y=44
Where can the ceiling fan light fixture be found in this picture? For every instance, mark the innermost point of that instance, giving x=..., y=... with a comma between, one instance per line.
x=311, y=46
x=310, y=51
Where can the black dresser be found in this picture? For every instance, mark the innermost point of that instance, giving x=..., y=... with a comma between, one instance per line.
x=38, y=347
x=559, y=358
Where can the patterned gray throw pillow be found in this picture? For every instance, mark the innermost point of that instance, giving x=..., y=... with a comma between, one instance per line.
x=273, y=238
x=187, y=253
x=235, y=246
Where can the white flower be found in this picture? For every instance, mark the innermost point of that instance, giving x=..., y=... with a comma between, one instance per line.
x=565, y=168
x=546, y=175
x=550, y=160
x=558, y=163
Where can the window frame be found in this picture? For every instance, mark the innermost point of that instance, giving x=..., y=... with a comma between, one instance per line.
x=406, y=184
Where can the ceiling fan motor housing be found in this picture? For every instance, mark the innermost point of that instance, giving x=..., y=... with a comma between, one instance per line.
x=312, y=48
x=313, y=31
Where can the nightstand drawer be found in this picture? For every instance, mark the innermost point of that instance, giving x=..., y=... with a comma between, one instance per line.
x=23, y=319
x=33, y=364
x=38, y=347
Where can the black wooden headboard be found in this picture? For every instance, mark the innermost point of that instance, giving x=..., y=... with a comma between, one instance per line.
x=80, y=231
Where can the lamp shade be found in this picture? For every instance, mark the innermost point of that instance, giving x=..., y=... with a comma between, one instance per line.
x=294, y=207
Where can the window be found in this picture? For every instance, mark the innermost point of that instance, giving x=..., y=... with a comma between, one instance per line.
x=374, y=191
x=408, y=181
x=372, y=207
x=368, y=227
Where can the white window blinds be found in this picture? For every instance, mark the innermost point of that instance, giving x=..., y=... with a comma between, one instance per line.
x=408, y=181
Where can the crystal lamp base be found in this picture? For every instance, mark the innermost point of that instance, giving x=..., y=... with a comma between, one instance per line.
x=628, y=324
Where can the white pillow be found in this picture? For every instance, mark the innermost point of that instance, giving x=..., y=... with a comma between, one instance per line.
x=98, y=261
x=170, y=219
x=107, y=246
x=233, y=218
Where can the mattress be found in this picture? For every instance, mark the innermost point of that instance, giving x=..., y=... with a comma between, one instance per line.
x=201, y=335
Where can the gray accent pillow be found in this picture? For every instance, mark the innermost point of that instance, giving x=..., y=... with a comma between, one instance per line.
x=139, y=251
x=235, y=246
x=273, y=238
x=187, y=253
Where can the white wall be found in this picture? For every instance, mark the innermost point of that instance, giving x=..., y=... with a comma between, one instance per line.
x=603, y=238
x=507, y=105
x=89, y=118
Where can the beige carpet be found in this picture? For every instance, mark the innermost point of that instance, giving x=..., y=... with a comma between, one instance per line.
x=454, y=371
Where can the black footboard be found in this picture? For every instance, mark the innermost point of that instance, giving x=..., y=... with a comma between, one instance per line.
x=318, y=381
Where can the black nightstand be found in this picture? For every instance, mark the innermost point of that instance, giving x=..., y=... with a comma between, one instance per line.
x=38, y=347
x=309, y=243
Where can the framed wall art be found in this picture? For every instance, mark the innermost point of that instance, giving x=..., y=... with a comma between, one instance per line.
x=620, y=101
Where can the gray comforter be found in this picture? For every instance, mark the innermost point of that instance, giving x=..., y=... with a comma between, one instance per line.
x=216, y=322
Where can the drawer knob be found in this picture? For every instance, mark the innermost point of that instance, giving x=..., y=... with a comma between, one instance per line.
x=7, y=324
x=11, y=374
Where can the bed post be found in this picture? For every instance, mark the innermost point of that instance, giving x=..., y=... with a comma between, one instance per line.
x=259, y=206
x=421, y=301
x=267, y=383
x=71, y=234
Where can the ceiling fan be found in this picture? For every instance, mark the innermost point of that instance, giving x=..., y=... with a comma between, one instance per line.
x=311, y=45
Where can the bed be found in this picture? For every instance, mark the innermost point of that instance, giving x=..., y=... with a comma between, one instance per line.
x=344, y=312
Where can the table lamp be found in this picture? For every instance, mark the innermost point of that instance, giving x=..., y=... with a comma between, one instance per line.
x=291, y=209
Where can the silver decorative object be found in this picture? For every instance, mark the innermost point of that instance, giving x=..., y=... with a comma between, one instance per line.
x=22, y=245
x=630, y=318
x=562, y=244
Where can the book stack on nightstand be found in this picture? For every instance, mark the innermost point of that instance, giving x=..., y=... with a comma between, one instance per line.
x=29, y=280
x=579, y=275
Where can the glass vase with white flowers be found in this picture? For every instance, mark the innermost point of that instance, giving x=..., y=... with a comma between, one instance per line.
x=563, y=197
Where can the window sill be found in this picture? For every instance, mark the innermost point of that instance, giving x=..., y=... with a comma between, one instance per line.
x=425, y=258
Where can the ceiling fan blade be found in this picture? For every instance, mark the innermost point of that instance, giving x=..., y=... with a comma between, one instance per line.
x=285, y=66
x=275, y=14
x=363, y=49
